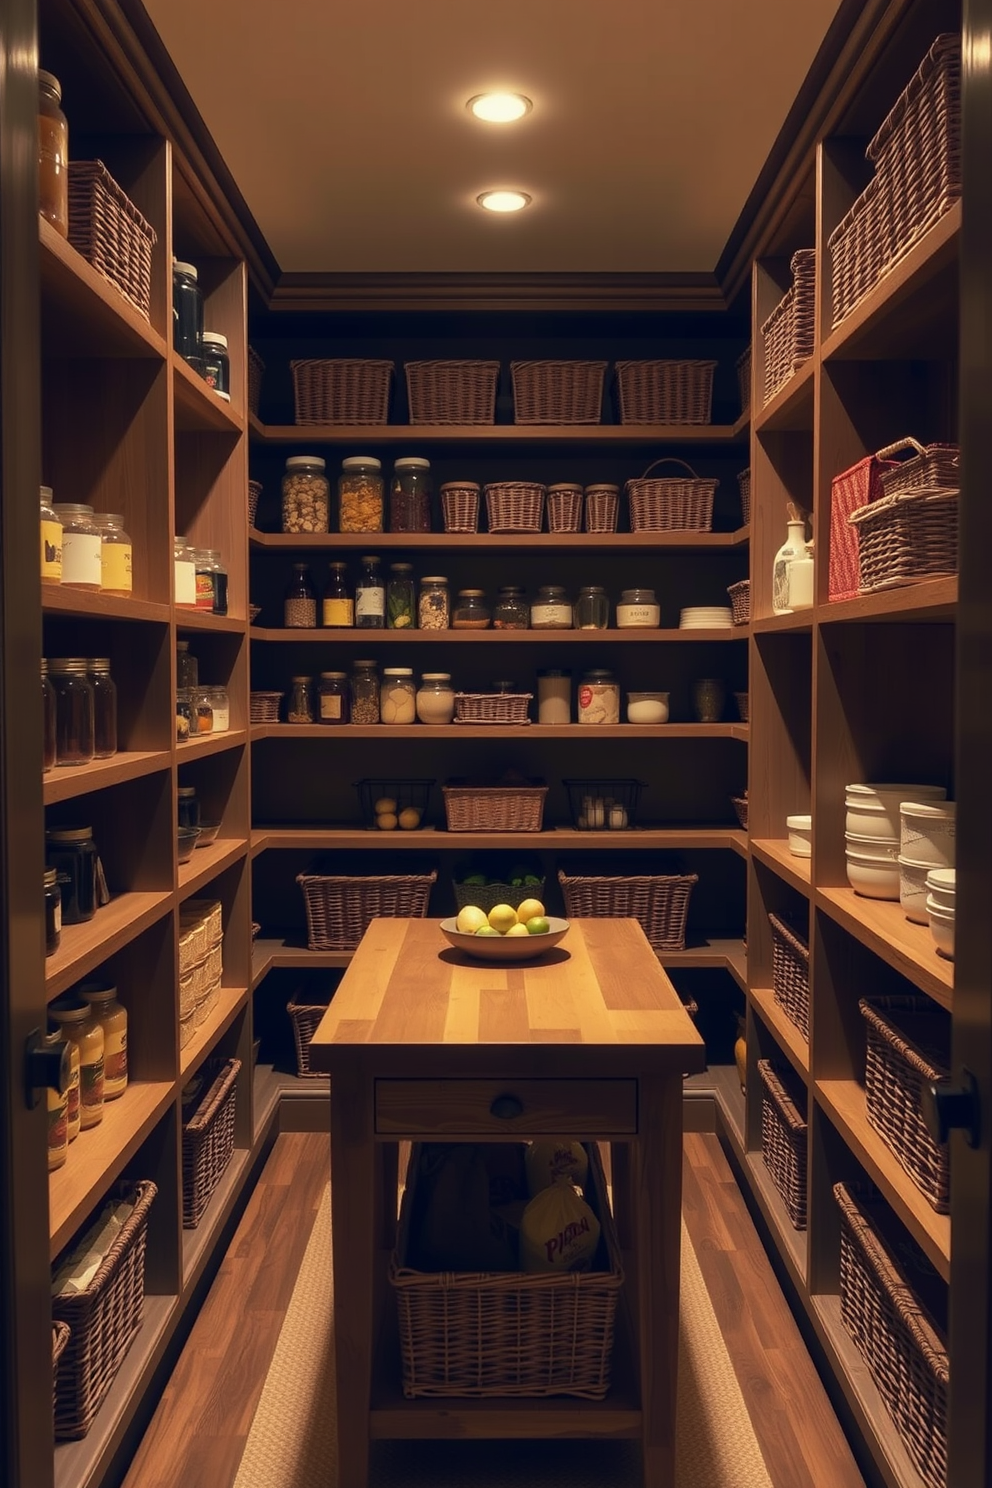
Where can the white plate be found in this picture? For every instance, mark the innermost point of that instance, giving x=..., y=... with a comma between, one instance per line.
x=502, y=947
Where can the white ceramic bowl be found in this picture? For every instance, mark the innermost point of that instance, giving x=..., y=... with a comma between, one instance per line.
x=504, y=947
x=875, y=878
x=942, y=930
x=913, y=889
x=873, y=810
x=928, y=832
x=800, y=830
x=942, y=889
x=885, y=849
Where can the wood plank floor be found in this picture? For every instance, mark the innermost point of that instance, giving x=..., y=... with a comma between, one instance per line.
x=199, y=1430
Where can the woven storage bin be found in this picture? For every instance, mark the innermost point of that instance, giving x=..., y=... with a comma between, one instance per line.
x=565, y=509
x=340, y=907
x=460, y=506
x=60, y=1337
x=102, y=1320
x=256, y=368
x=894, y=1331
x=743, y=709
x=932, y=467
x=787, y=335
x=557, y=392
x=254, y=492
x=487, y=896
x=740, y=601
x=744, y=486
x=744, y=380
x=908, y=1046
x=515, y=506
x=208, y=1143
x=187, y=1026
x=784, y=1138
x=494, y=808
x=671, y=503
x=209, y=913
x=341, y=390
x=602, y=508
x=492, y=707
x=665, y=392
x=264, y=707
x=305, y=1016
x=739, y=804
x=790, y=973
x=108, y=230
x=452, y=392
x=903, y=538
x=659, y=901
x=849, y=491
x=491, y=1334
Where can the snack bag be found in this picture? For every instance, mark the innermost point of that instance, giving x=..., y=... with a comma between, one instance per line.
x=558, y=1231
x=555, y=1157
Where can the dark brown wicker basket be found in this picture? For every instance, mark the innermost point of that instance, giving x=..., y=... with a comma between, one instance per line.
x=208, y=1143
x=739, y=804
x=492, y=707
x=305, y=1016
x=744, y=486
x=256, y=368
x=671, y=503
x=494, y=808
x=254, y=492
x=665, y=392
x=742, y=701
x=564, y=508
x=60, y=1337
x=557, y=392
x=460, y=506
x=744, y=380
x=102, y=1320
x=740, y=601
x=932, y=467
x=458, y=392
x=905, y=538
x=340, y=907
x=515, y=506
x=908, y=1046
x=659, y=901
x=108, y=230
x=602, y=508
x=788, y=333
x=341, y=390
x=790, y=973
x=784, y=1137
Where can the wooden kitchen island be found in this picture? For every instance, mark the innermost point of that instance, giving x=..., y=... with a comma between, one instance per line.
x=421, y=1043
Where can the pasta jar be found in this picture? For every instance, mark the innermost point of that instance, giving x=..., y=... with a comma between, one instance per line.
x=49, y=704
x=638, y=609
x=78, y=1025
x=434, y=604
x=216, y=364
x=112, y=1018
x=512, y=612
x=399, y=597
x=364, y=692
x=397, y=697
x=470, y=612
x=599, y=697
x=554, y=696
x=81, y=545
x=435, y=698
x=184, y=566
x=333, y=699
x=104, y=707
x=410, y=495
x=51, y=540
x=115, y=554
x=58, y=1112
x=75, y=737
x=551, y=609
x=53, y=154
x=306, y=495
x=299, y=708
x=360, y=494
x=592, y=609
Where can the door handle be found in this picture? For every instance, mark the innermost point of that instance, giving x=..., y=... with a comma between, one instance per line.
x=46, y=1067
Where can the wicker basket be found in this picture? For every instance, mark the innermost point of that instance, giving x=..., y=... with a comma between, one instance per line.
x=744, y=486
x=341, y=390
x=665, y=392
x=932, y=467
x=659, y=901
x=491, y=1334
x=305, y=1017
x=790, y=973
x=602, y=508
x=557, y=392
x=515, y=506
x=492, y=707
x=849, y=491
x=744, y=380
x=494, y=808
x=671, y=503
x=904, y=538
x=452, y=392
x=264, y=707
x=208, y=1143
x=340, y=907
x=739, y=804
x=111, y=234
x=894, y=1331
x=487, y=896
x=784, y=1138
x=616, y=792
x=908, y=1045
x=787, y=335
x=256, y=368
x=743, y=708
x=564, y=508
x=60, y=1337
x=740, y=601
x=102, y=1320
x=460, y=506
x=254, y=492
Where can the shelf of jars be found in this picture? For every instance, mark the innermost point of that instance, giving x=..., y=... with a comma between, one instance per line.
x=556, y=542
x=208, y=861
x=205, y=744
x=425, y=731
x=230, y=1001
x=928, y=599
x=200, y=620
x=65, y=784
x=501, y=434
x=882, y=926
x=114, y=925
x=86, y=312
x=90, y=604
x=785, y=1032
x=774, y=853
x=359, y=637
x=647, y=838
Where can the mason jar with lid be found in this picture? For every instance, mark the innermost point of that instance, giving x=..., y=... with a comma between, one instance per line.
x=115, y=554
x=220, y=702
x=184, y=566
x=76, y=1022
x=49, y=704
x=434, y=603
x=187, y=311
x=638, y=609
x=554, y=696
x=435, y=698
x=101, y=999
x=592, y=608
x=75, y=739
x=104, y=707
x=334, y=698
x=53, y=154
x=219, y=573
x=299, y=707
x=410, y=495
x=511, y=611
x=397, y=696
x=400, y=608
x=51, y=540
x=81, y=544
x=471, y=611
x=551, y=609
x=306, y=495
x=599, y=697
x=216, y=365
x=360, y=488
x=204, y=579
x=364, y=692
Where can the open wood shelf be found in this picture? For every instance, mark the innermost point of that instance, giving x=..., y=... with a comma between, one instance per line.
x=204, y=744
x=774, y=853
x=721, y=1084
x=187, y=619
x=555, y=542
x=65, y=783
x=230, y=1001
x=882, y=926
x=198, y=409
x=611, y=637
x=66, y=599
x=208, y=861
x=428, y=839
x=88, y=314
x=290, y=950
x=796, y=620
x=792, y=406
x=791, y=1240
x=782, y=1029
x=198, y=1243
x=927, y=599
x=114, y=925
x=414, y=435
x=723, y=953
x=498, y=731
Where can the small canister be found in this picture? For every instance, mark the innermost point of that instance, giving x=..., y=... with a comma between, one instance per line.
x=58, y=1112
x=599, y=697
x=436, y=698
x=471, y=611
x=187, y=311
x=188, y=807
x=75, y=737
x=216, y=365
x=81, y=545
x=334, y=698
x=400, y=607
x=434, y=603
x=75, y=1022
x=397, y=696
x=554, y=696
x=364, y=692
x=410, y=495
x=220, y=702
x=638, y=609
x=299, y=708
x=112, y=1017
x=115, y=554
x=551, y=609
x=511, y=611
x=360, y=489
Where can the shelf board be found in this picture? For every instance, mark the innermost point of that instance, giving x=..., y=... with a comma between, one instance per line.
x=785, y=1032
x=928, y=599
x=427, y=731
x=882, y=926
x=208, y=861
x=198, y=409
x=844, y=1102
x=359, y=638
x=655, y=838
x=415, y=435
x=555, y=542
x=91, y=604
x=792, y=405
x=205, y=744
x=85, y=946
x=791, y=1240
x=198, y=1243
x=66, y=783
x=99, y=1155
x=278, y=950
x=187, y=619
x=774, y=853
x=229, y=1003
x=723, y=954
x=82, y=312
x=771, y=624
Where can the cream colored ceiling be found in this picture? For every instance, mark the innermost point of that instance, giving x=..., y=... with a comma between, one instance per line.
x=344, y=124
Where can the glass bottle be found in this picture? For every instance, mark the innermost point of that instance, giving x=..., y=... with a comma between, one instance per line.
x=51, y=540
x=204, y=580
x=75, y=739
x=81, y=544
x=339, y=604
x=76, y=1023
x=49, y=748
x=58, y=1113
x=592, y=609
x=112, y=1018
x=300, y=602
x=53, y=154
x=104, y=707
x=364, y=692
x=360, y=494
x=299, y=708
x=370, y=596
x=400, y=597
x=334, y=697
x=397, y=696
x=305, y=495
x=187, y=311
x=53, y=912
x=511, y=611
x=793, y=547
x=115, y=554
x=435, y=698
x=470, y=612
x=410, y=495
x=434, y=603
x=184, y=566
x=187, y=667
x=216, y=371
x=800, y=579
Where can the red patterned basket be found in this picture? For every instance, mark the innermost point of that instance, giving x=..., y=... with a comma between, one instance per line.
x=850, y=491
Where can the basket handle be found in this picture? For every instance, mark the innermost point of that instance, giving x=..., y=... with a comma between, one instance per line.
x=670, y=460
x=901, y=444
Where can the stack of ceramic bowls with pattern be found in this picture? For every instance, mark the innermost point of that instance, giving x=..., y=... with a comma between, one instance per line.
x=926, y=842
x=873, y=834
x=941, y=886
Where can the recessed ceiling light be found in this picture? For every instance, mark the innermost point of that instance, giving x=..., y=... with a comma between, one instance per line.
x=499, y=108
x=503, y=201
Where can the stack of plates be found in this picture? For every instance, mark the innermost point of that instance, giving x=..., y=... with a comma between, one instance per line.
x=706, y=617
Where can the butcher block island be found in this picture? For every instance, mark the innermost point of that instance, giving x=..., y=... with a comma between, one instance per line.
x=422, y=1043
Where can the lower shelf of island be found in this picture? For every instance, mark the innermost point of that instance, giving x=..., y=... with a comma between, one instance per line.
x=882, y=926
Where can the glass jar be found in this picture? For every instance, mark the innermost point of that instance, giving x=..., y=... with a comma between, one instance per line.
x=184, y=715
x=592, y=609
x=511, y=611
x=216, y=371
x=81, y=545
x=101, y=999
x=306, y=495
x=410, y=495
x=49, y=711
x=104, y=707
x=220, y=702
x=335, y=697
x=184, y=566
x=53, y=912
x=187, y=807
x=397, y=696
x=75, y=739
x=360, y=488
x=299, y=611
x=77, y=1024
x=638, y=609
x=370, y=596
x=220, y=581
x=187, y=666
x=51, y=540
x=203, y=711
x=187, y=311
x=364, y=692
x=470, y=612
x=551, y=609
x=435, y=698
x=58, y=1112
x=299, y=708
x=53, y=154
x=400, y=597
x=204, y=578
x=599, y=697
x=709, y=696
x=115, y=554
x=338, y=605
x=434, y=604
x=554, y=696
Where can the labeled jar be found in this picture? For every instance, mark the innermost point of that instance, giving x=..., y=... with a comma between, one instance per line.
x=306, y=495
x=188, y=807
x=471, y=611
x=184, y=567
x=58, y=1111
x=215, y=364
x=49, y=710
x=364, y=686
x=77, y=1025
x=220, y=703
x=204, y=579
x=73, y=1090
x=112, y=1018
x=53, y=154
x=400, y=607
x=370, y=596
x=554, y=696
x=187, y=666
x=187, y=311
x=338, y=603
x=511, y=610
x=115, y=554
x=434, y=603
x=75, y=738
x=638, y=610
x=592, y=609
x=360, y=489
x=334, y=698
x=435, y=698
x=53, y=912
x=551, y=609
x=51, y=540
x=104, y=707
x=81, y=545
x=299, y=610
x=599, y=697
x=184, y=715
x=397, y=696
x=299, y=707
x=410, y=495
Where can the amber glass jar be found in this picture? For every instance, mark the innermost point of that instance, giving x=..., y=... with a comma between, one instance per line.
x=104, y=707
x=112, y=1017
x=49, y=710
x=53, y=154
x=75, y=740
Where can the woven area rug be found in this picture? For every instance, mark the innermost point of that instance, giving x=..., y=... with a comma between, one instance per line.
x=291, y=1441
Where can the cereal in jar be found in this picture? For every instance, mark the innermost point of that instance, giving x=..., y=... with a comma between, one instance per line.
x=305, y=495
x=360, y=494
x=434, y=604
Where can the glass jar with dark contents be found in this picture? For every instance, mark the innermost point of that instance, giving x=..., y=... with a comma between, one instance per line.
x=410, y=495
x=104, y=707
x=48, y=704
x=72, y=852
x=511, y=612
x=334, y=699
x=188, y=806
x=74, y=705
x=53, y=911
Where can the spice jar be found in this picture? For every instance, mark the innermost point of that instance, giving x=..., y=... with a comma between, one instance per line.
x=399, y=597
x=77, y=1024
x=470, y=612
x=53, y=912
x=58, y=1113
x=360, y=494
x=49, y=706
x=184, y=715
x=187, y=666
x=592, y=609
x=434, y=604
x=334, y=698
x=364, y=692
x=53, y=154
x=184, y=567
x=81, y=543
x=51, y=540
x=299, y=611
x=188, y=807
x=397, y=697
x=220, y=702
x=75, y=739
x=101, y=1000
x=187, y=311
x=554, y=696
x=203, y=711
x=306, y=495
x=410, y=495
x=435, y=698
x=638, y=609
x=104, y=707
x=338, y=605
x=551, y=609
x=115, y=554
x=370, y=596
x=299, y=708
x=511, y=611
x=599, y=697
x=216, y=365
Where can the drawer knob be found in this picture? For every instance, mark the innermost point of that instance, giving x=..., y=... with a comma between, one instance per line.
x=506, y=1108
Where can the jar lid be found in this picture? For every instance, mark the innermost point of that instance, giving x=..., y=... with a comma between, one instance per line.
x=593, y=589
x=69, y=834
x=300, y=462
x=433, y=579
x=606, y=487
x=49, y=80
x=471, y=593
x=364, y=663
x=598, y=674
x=554, y=672
x=97, y=992
x=351, y=462
x=511, y=589
x=337, y=564
x=404, y=568
x=44, y=666
x=334, y=676
x=551, y=591
x=301, y=567
x=397, y=671
x=99, y=664
x=67, y=664
x=213, y=338
x=633, y=596
x=108, y=519
x=185, y=268
x=201, y=555
x=69, y=1010
x=46, y=493
x=73, y=508
x=308, y=679
x=436, y=676
x=370, y=558
x=411, y=462
x=51, y=874
x=187, y=792
x=182, y=645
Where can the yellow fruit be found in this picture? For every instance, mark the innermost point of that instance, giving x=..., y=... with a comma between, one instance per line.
x=385, y=807
x=528, y=909
x=410, y=819
x=501, y=917
x=538, y=925
x=487, y=930
x=517, y=930
x=386, y=822
x=470, y=919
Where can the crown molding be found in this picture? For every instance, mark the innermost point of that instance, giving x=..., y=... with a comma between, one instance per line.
x=466, y=292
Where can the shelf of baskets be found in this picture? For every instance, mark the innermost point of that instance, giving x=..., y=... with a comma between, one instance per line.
x=91, y=314
x=556, y=542
x=425, y=731
x=501, y=434
x=784, y=1031
x=642, y=839
x=926, y=599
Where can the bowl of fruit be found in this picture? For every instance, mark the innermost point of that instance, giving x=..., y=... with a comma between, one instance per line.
x=504, y=933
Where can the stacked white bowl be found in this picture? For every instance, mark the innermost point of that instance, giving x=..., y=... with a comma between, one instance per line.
x=706, y=617
x=926, y=841
x=872, y=834
x=941, y=886
x=800, y=829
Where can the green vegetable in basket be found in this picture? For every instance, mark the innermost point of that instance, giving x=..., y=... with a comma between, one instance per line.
x=477, y=879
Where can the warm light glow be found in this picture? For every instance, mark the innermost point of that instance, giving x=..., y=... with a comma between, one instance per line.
x=503, y=201
x=499, y=108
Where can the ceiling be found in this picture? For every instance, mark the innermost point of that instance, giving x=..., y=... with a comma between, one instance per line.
x=345, y=127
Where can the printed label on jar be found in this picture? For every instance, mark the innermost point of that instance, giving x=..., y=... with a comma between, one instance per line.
x=204, y=591
x=370, y=602
x=339, y=612
x=81, y=558
x=185, y=583
x=638, y=614
x=91, y=1085
x=115, y=1069
x=58, y=1130
x=51, y=550
x=115, y=566
x=599, y=703
x=330, y=706
x=58, y=916
x=73, y=1100
x=551, y=614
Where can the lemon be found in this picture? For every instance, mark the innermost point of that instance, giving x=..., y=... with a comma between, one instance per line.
x=517, y=930
x=528, y=909
x=501, y=917
x=410, y=819
x=470, y=919
x=487, y=930
x=386, y=822
x=538, y=925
